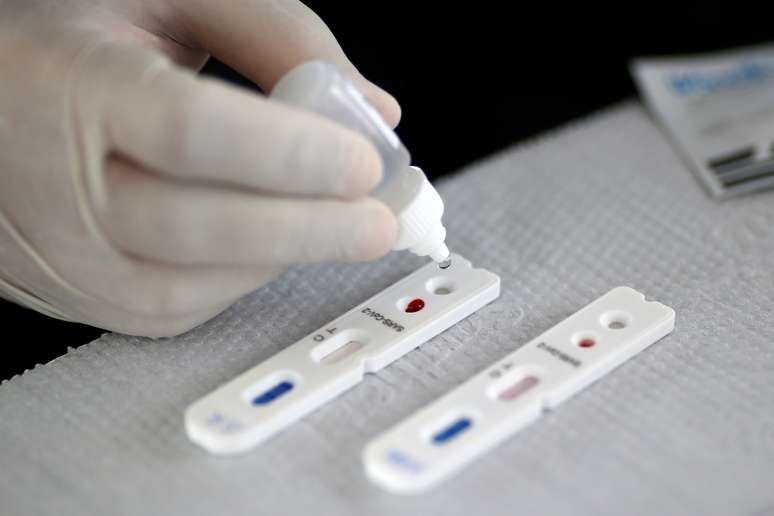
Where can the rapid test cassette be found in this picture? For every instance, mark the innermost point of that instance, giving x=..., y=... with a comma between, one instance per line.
x=306, y=375
x=442, y=438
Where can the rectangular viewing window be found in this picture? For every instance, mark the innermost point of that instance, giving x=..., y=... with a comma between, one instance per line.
x=342, y=345
x=517, y=389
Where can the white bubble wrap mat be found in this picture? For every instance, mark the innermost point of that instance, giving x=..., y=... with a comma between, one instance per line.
x=687, y=427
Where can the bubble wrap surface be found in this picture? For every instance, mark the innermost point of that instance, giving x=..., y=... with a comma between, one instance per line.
x=687, y=427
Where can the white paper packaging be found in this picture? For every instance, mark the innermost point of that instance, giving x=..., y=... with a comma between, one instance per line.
x=719, y=110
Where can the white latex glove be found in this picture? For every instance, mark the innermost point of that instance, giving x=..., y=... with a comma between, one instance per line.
x=138, y=197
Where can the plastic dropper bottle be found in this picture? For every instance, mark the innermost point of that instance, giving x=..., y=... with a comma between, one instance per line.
x=319, y=87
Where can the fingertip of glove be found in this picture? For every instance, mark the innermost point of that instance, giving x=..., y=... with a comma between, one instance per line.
x=390, y=109
x=385, y=104
x=364, y=170
x=378, y=231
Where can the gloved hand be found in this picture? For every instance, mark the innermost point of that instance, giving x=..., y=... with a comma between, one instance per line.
x=138, y=197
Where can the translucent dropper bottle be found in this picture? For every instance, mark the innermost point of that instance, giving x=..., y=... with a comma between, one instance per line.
x=319, y=87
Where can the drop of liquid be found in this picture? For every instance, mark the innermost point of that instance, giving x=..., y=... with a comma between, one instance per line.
x=415, y=305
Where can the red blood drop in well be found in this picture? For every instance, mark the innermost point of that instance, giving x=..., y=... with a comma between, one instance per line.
x=586, y=343
x=415, y=305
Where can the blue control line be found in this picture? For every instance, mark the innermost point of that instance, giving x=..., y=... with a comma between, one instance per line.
x=273, y=393
x=452, y=431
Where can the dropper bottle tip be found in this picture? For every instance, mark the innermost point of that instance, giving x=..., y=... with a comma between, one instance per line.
x=442, y=256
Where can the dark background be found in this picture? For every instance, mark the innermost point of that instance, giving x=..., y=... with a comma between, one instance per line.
x=472, y=79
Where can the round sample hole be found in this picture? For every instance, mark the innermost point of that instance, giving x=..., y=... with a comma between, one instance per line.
x=615, y=319
x=440, y=286
x=414, y=305
x=584, y=339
